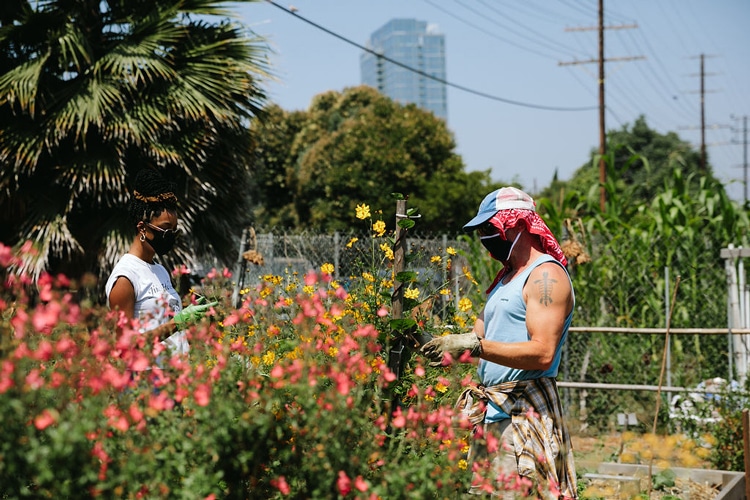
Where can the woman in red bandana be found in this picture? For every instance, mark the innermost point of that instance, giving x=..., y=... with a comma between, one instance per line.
x=518, y=339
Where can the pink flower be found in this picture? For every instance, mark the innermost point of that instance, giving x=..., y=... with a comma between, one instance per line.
x=136, y=415
x=447, y=359
x=360, y=484
x=382, y=312
x=6, y=255
x=419, y=371
x=310, y=279
x=281, y=485
x=399, y=421
x=343, y=483
x=277, y=371
x=202, y=394
x=139, y=362
x=45, y=419
x=212, y=274
x=226, y=273
x=160, y=402
x=34, y=379
x=231, y=319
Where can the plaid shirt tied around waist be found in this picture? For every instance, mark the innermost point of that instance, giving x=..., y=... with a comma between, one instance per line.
x=541, y=441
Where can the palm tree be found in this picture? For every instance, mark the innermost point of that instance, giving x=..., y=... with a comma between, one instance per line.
x=91, y=91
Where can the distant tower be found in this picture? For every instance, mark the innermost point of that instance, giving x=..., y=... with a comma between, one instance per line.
x=415, y=44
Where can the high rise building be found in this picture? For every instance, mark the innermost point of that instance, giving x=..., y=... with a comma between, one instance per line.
x=417, y=45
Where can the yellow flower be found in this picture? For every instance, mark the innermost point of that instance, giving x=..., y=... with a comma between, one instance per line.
x=387, y=250
x=363, y=211
x=379, y=228
x=463, y=464
x=291, y=287
x=445, y=291
x=464, y=305
x=468, y=275
x=450, y=251
x=440, y=387
x=269, y=357
x=326, y=268
x=411, y=293
x=386, y=283
x=308, y=289
x=368, y=276
x=333, y=351
x=352, y=242
x=436, y=259
x=274, y=280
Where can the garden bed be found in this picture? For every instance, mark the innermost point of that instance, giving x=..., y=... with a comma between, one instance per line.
x=613, y=480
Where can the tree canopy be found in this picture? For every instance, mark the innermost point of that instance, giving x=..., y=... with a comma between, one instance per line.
x=91, y=92
x=358, y=146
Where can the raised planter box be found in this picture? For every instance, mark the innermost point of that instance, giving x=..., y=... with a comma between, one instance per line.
x=632, y=479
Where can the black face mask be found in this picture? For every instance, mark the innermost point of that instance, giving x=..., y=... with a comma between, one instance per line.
x=162, y=243
x=498, y=247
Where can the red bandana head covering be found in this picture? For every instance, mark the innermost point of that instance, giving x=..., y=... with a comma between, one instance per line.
x=506, y=219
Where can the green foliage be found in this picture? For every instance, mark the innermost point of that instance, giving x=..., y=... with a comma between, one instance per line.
x=358, y=146
x=729, y=453
x=90, y=95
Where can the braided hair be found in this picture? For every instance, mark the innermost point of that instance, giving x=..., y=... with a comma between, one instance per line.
x=152, y=194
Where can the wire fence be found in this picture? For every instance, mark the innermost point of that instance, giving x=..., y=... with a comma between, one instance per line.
x=609, y=376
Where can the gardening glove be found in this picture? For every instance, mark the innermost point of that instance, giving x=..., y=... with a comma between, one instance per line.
x=191, y=314
x=454, y=344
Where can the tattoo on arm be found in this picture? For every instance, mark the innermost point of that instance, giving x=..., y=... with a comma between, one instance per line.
x=545, y=288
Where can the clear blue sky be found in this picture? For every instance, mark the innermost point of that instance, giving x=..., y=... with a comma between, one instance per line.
x=511, y=49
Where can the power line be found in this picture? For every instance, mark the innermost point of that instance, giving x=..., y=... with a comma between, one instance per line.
x=427, y=75
x=536, y=37
x=494, y=35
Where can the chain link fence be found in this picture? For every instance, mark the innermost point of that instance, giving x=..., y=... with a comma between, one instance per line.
x=607, y=371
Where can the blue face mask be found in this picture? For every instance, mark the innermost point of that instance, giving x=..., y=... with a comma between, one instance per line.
x=498, y=247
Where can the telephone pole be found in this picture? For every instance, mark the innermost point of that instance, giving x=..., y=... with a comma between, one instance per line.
x=702, y=92
x=602, y=107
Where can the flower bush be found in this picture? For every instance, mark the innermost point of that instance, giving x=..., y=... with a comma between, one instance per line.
x=288, y=395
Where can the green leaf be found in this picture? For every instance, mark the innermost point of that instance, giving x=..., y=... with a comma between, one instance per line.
x=412, y=211
x=406, y=277
x=664, y=479
x=406, y=223
x=397, y=196
x=402, y=325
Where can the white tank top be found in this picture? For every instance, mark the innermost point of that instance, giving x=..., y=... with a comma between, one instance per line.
x=156, y=300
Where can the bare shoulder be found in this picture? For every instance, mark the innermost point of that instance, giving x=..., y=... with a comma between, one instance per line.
x=548, y=283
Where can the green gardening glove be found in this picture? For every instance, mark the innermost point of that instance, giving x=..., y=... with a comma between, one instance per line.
x=191, y=314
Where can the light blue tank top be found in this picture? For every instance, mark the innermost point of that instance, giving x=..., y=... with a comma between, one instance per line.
x=505, y=321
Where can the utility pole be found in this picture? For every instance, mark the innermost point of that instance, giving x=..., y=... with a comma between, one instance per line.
x=744, y=153
x=703, y=115
x=602, y=106
x=702, y=75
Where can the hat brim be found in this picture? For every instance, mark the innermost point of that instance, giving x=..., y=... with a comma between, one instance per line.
x=477, y=221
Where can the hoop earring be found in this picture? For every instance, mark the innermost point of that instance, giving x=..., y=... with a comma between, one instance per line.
x=143, y=237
